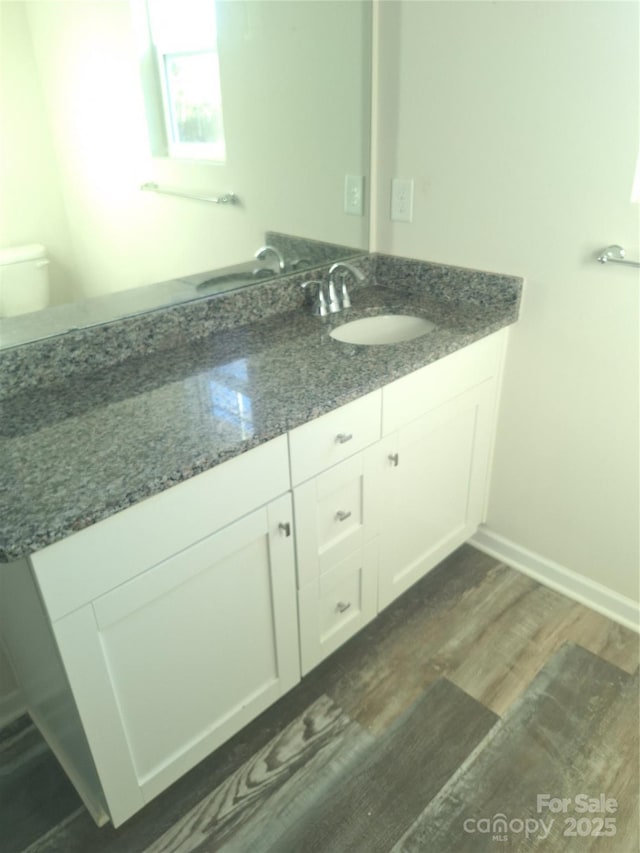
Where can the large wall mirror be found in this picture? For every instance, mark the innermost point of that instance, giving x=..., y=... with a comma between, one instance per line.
x=77, y=146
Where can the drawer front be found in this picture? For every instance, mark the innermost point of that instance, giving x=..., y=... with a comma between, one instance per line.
x=336, y=513
x=337, y=605
x=334, y=437
x=78, y=569
x=412, y=396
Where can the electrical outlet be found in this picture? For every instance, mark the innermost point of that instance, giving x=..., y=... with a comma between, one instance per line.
x=354, y=195
x=402, y=199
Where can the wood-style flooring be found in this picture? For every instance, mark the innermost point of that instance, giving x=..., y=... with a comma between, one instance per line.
x=436, y=729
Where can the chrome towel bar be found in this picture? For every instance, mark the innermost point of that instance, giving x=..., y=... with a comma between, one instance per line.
x=615, y=255
x=227, y=198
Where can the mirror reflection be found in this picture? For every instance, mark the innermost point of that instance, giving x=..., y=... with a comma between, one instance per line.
x=95, y=104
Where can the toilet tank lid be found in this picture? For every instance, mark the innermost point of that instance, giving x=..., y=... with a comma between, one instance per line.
x=18, y=254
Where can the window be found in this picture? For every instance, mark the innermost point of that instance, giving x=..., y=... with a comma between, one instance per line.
x=183, y=39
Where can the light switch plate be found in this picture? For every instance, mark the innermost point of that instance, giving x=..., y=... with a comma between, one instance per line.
x=354, y=195
x=402, y=199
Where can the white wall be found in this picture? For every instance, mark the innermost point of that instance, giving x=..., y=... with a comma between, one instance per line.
x=519, y=123
x=31, y=200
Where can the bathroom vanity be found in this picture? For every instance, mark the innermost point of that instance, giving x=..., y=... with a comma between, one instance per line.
x=210, y=522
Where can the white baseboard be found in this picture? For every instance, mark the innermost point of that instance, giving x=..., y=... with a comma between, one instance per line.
x=594, y=595
x=11, y=707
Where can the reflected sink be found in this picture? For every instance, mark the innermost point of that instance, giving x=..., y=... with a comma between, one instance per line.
x=237, y=279
x=383, y=329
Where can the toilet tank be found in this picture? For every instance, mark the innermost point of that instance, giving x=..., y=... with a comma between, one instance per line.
x=24, y=279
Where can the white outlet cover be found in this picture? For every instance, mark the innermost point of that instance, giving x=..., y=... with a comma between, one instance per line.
x=402, y=200
x=354, y=195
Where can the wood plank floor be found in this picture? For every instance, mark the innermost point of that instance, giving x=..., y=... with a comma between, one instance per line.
x=370, y=807
x=473, y=638
x=548, y=743
x=317, y=747
x=34, y=792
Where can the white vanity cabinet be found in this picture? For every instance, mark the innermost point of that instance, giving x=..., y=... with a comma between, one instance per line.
x=438, y=426
x=167, y=658
x=167, y=627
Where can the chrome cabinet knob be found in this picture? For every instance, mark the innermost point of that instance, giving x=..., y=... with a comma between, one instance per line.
x=344, y=437
x=343, y=515
x=341, y=606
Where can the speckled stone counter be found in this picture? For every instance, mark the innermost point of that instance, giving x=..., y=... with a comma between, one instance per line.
x=77, y=451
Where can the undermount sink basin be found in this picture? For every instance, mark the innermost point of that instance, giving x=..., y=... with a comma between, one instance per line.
x=383, y=329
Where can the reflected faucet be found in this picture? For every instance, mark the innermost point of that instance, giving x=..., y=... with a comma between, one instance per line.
x=344, y=300
x=262, y=253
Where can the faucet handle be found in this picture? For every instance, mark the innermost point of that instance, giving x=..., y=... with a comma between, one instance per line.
x=334, y=302
x=345, y=270
x=319, y=307
x=345, y=299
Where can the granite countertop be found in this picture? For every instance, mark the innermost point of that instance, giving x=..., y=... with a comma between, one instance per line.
x=75, y=453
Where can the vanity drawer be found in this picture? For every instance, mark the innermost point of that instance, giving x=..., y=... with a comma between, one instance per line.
x=337, y=605
x=335, y=512
x=333, y=437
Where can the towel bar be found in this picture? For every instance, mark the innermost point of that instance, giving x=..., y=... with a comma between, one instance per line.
x=227, y=198
x=615, y=255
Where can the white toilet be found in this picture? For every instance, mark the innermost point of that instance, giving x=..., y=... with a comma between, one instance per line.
x=24, y=279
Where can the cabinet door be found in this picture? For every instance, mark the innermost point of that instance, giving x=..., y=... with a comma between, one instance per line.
x=435, y=481
x=168, y=666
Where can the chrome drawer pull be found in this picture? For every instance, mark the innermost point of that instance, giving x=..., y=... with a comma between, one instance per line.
x=394, y=458
x=344, y=437
x=341, y=515
x=285, y=528
x=341, y=606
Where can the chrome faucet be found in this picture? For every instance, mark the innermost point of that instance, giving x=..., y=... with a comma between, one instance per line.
x=343, y=300
x=327, y=300
x=262, y=253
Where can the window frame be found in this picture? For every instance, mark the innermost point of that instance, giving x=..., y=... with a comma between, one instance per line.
x=209, y=151
x=157, y=97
